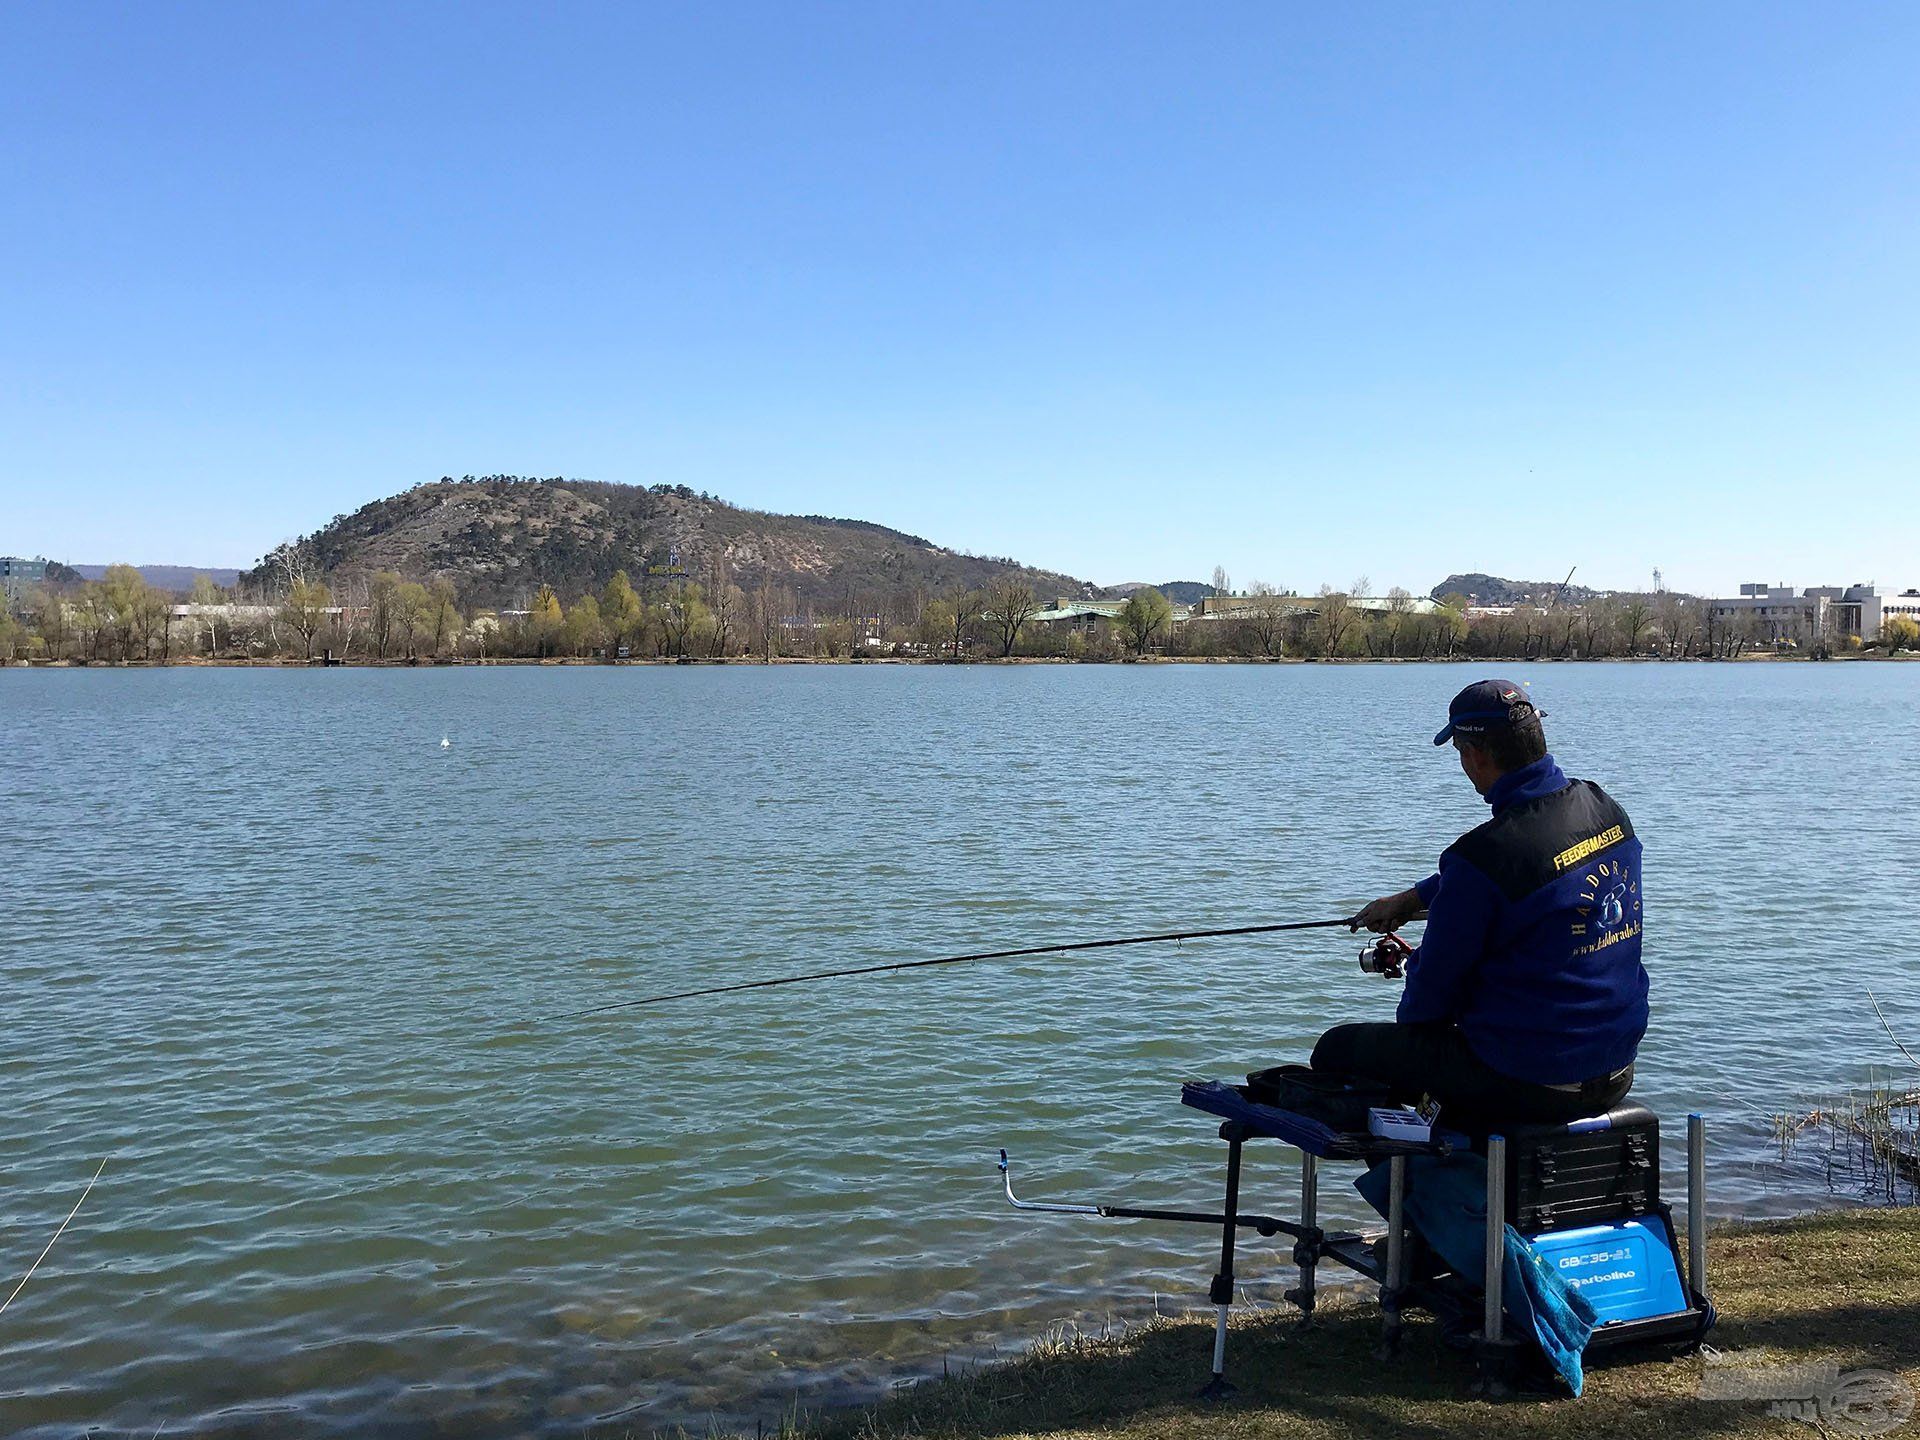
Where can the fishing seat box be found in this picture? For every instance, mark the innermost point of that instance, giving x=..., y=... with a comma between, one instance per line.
x=1589, y=1172
x=1587, y=1195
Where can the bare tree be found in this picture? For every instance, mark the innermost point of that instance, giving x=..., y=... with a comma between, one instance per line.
x=1222, y=583
x=1491, y=635
x=684, y=615
x=582, y=629
x=1447, y=626
x=1533, y=629
x=380, y=593
x=446, y=615
x=764, y=617
x=93, y=619
x=291, y=561
x=723, y=602
x=1692, y=618
x=349, y=608
x=1009, y=605
x=1826, y=632
x=1264, y=621
x=305, y=611
x=50, y=619
x=1670, y=614
x=118, y=593
x=1634, y=615
x=1394, y=619
x=1597, y=623
x=1560, y=622
x=411, y=605
x=1145, y=615
x=1333, y=619
x=153, y=617
x=961, y=614
x=203, y=598
x=725, y=607
x=623, y=613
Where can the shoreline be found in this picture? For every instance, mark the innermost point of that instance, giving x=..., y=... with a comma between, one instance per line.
x=201, y=662
x=1830, y=1289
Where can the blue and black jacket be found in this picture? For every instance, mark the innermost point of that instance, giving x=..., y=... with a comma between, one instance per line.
x=1532, y=944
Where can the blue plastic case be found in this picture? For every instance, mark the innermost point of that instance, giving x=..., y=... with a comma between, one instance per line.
x=1626, y=1270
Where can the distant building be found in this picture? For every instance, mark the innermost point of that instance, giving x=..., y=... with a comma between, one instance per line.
x=232, y=613
x=1233, y=607
x=1906, y=603
x=17, y=574
x=1073, y=613
x=1819, y=610
x=1385, y=604
x=1068, y=612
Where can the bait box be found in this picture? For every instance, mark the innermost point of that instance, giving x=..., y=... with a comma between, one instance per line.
x=1399, y=1124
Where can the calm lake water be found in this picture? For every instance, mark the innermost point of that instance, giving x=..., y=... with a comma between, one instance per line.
x=295, y=966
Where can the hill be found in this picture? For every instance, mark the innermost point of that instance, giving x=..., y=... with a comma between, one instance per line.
x=500, y=537
x=1181, y=592
x=166, y=577
x=1492, y=590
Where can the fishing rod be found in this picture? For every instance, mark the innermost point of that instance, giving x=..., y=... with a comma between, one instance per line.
x=1348, y=921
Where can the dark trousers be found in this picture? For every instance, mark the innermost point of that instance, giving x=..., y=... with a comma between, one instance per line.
x=1435, y=1059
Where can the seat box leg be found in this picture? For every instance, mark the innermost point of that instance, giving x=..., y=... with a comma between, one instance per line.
x=1306, y=1249
x=1494, y=1354
x=1221, y=1292
x=1393, y=1283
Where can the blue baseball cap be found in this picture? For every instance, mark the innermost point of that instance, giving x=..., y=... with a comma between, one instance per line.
x=1486, y=706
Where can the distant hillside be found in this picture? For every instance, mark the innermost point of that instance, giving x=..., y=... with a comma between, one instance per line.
x=1492, y=590
x=501, y=537
x=1181, y=592
x=167, y=577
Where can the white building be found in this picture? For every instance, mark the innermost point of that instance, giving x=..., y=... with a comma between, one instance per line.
x=1819, y=610
x=1082, y=614
x=1906, y=603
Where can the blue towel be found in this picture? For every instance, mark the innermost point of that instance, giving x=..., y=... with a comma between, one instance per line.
x=1447, y=1204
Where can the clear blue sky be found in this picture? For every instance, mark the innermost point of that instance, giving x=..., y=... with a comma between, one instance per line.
x=1125, y=290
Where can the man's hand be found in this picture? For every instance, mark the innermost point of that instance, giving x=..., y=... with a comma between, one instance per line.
x=1390, y=912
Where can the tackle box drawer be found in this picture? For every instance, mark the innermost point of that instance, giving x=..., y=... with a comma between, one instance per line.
x=1586, y=1173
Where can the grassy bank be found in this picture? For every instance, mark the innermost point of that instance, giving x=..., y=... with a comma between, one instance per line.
x=1842, y=1287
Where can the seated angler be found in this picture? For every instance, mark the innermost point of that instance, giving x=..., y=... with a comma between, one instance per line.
x=1526, y=999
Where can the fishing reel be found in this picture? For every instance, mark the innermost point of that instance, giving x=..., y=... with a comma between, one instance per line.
x=1386, y=956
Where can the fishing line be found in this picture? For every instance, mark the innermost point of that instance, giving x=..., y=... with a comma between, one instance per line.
x=957, y=959
x=56, y=1235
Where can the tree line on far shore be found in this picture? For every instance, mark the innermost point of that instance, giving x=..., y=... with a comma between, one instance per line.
x=386, y=617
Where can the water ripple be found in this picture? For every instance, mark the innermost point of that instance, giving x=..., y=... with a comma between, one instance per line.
x=295, y=967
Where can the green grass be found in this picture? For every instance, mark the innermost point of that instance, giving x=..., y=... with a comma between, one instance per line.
x=1841, y=1287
